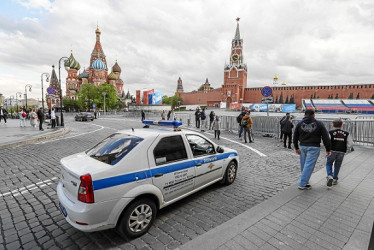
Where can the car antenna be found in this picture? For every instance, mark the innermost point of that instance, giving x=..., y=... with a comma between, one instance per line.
x=132, y=130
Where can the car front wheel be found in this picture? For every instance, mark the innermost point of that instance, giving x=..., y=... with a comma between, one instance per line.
x=230, y=174
x=137, y=218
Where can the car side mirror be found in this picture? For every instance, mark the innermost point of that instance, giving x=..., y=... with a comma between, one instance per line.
x=220, y=150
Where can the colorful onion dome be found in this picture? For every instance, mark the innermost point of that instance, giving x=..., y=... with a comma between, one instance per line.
x=84, y=74
x=112, y=76
x=98, y=64
x=72, y=63
x=116, y=68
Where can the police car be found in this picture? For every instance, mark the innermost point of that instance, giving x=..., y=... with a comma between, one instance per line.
x=122, y=181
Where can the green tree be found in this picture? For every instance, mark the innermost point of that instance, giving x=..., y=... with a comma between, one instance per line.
x=286, y=102
x=86, y=96
x=358, y=96
x=276, y=99
x=110, y=97
x=69, y=104
x=337, y=96
x=292, y=99
x=372, y=97
x=281, y=98
x=174, y=101
x=350, y=96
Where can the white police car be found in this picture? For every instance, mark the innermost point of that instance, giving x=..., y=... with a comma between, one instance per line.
x=122, y=181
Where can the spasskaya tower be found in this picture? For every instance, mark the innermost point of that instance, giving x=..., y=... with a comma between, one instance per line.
x=235, y=73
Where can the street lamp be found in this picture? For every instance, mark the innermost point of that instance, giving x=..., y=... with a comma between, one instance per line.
x=20, y=95
x=104, y=94
x=66, y=64
x=47, y=80
x=29, y=86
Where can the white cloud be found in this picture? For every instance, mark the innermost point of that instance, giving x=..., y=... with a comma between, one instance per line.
x=155, y=42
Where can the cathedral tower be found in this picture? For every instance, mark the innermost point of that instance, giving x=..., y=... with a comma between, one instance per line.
x=98, y=65
x=235, y=73
x=179, y=86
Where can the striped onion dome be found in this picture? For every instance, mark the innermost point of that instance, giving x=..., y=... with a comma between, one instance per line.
x=98, y=64
x=72, y=63
x=116, y=68
x=112, y=76
x=84, y=74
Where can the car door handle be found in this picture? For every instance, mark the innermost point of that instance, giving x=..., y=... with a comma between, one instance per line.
x=199, y=165
x=159, y=175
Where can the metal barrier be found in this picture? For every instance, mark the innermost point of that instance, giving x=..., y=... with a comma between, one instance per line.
x=361, y=130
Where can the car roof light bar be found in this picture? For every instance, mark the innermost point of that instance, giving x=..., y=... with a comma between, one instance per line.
x=163, y=123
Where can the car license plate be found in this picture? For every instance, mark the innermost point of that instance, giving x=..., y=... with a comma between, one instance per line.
x=63, y=210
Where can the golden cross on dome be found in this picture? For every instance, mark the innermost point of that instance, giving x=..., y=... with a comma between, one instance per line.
x=237, y=19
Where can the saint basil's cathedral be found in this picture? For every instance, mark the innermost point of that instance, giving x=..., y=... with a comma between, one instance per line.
x=96, y=74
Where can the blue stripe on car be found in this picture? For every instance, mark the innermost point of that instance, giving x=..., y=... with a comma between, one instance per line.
x=141, y=175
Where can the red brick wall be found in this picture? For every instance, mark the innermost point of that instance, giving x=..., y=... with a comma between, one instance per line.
x=199, y=97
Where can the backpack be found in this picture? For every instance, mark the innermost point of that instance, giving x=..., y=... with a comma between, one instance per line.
x=203, y=115
x=239, y=118
x=23, y=114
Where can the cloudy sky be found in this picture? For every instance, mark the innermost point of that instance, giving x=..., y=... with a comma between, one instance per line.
x=302, y=41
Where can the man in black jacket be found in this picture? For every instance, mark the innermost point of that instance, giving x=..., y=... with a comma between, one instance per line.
x=3, y=113
x=40, y=114
x=309, y=132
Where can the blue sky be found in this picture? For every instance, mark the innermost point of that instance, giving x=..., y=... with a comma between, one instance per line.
x=13, y=9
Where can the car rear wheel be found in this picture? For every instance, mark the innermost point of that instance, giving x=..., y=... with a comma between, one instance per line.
x=230, y=174
x=137, y=218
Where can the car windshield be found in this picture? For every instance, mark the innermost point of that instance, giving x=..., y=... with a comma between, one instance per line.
x=112, y=149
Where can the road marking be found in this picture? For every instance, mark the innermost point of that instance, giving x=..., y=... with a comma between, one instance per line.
x=28, y=188
x=241, y=144
x=63, y=138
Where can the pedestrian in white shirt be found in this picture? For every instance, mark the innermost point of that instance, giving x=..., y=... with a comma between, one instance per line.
x=53, y=118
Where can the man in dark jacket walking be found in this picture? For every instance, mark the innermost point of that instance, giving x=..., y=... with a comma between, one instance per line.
x=40, y=114
x=287, y=130
x=197, y=117
x=309, y=132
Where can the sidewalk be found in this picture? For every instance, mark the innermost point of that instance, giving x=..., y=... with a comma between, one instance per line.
x=337, y=218
x=13, y=135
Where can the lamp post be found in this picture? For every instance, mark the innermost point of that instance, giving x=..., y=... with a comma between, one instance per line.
x=104, y=94
x=47, y=80
x=29, y=86
x=20, y=95
x=66, y=64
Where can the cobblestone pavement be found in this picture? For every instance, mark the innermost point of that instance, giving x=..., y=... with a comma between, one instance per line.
x=30, y=218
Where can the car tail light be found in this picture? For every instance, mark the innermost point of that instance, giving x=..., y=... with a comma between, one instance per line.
x=85, y=192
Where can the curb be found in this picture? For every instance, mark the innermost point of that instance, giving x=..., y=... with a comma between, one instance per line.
x=33, y=140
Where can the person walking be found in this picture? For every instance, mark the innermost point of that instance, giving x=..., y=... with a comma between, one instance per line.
x=22, y=118
x=53, y=118
x=168, y=115
x=163, y=115
x=287, y=131
x=143, y=115
x=203, y=121
x=197, y=117
x=309, y=132
x=40, y=114
x=247, y=124
x=340, y=143
x=211, y=119
x=3, y=113
x=281, y=126
x=239, y=120
x=33, y=118
x=216, y=126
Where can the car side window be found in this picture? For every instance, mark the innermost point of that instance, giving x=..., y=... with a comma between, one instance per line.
x=200, y=146
x=170, y=149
